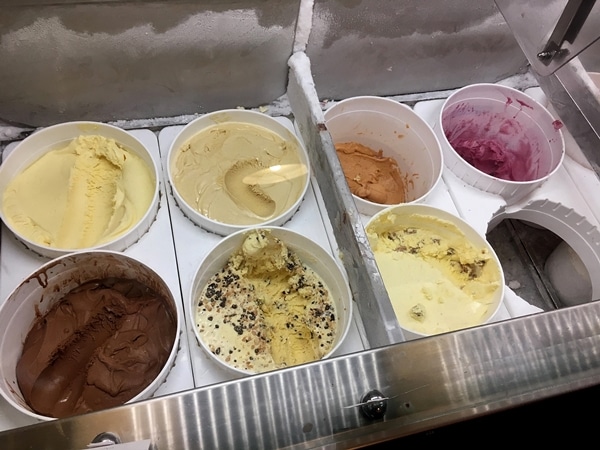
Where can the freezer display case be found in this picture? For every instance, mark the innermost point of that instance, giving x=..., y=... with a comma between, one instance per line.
x=152, y=67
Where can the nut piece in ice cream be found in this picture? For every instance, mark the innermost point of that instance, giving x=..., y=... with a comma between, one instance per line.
x=266, y=309
x=370, y=175
x=436, y=278
x=84, y=194
x=97, y=347
x=239, y=173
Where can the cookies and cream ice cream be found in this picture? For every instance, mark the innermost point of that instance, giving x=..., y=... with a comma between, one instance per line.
x=436, y=278
x=266, y=309
x=239, y=173
x=370, y=175
x=98, y=347
x=81, y=195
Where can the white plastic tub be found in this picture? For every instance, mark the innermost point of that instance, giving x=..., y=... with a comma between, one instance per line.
x=41, y=142
x=47, y=285
x=212, y=120
x=492, y=113
x=395, y=129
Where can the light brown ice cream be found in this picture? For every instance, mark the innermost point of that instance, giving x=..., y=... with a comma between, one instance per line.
x=266, y=309
x=370, y=175
x=239, y=173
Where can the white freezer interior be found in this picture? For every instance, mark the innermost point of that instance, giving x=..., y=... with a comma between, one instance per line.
x=174, y=246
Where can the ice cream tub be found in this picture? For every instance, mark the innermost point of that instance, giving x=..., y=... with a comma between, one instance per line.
x=266, y=298
x=234, y=169
x=116, y=335
x=499, y=140
x=79, y=185
x=389, y=155
x=440, y=273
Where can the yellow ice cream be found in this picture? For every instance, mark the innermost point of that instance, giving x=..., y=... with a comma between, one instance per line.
x=265, y=309
x=81, y=195
x=437, y=280
x=239, y=173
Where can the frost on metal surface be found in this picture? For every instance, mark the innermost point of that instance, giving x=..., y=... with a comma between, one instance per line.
x=403, y=47
x=138, y=60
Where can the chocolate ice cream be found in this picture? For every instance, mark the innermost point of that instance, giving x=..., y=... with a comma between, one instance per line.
x=98, y=347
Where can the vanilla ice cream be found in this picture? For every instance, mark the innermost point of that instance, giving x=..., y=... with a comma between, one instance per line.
x=239, y=173
x=437, y=279
x=266, y=309
x=81, y=195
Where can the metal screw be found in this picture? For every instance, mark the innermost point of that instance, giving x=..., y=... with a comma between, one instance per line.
x=374, y=405
x=104, y=439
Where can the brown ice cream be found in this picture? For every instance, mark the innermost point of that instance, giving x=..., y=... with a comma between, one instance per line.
x=239, y=173
x=98, y=347
x=370, y=175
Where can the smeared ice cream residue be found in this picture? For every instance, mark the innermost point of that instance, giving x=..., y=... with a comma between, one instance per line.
x=498, y=139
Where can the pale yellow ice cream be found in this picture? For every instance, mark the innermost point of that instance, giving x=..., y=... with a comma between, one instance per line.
x=84, y=194
x=437, y=280
x=266, y=309
x=239, y=173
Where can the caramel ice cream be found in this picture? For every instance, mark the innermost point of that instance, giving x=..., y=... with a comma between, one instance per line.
x=239, y=173
x=370, y=175
x=98, y=347
x=436, y=278
x=266, y=309
x=84, y=194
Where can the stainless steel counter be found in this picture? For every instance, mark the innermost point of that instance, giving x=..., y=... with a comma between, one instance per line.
x=429, y=382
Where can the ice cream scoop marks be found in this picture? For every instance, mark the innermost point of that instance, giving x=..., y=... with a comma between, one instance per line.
x=440, y=274
x=81, y=192
x=238, y=174
x=246, y=194
x=265, y=309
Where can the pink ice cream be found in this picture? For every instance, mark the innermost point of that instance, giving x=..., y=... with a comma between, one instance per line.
x=500, y=140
